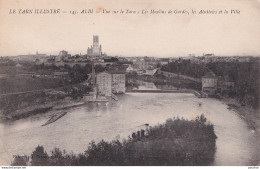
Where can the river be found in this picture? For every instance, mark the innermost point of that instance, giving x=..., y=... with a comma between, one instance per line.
x=236, y=143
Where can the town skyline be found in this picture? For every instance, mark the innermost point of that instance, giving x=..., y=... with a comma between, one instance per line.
x=73, y=53
x=133, y=35
x=56, y=53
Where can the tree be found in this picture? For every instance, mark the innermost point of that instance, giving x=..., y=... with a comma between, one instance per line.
x=77, y=74
x=20, y=160
x=99, y=68
x=201, y=119
x=57, y=158
x=39, y=157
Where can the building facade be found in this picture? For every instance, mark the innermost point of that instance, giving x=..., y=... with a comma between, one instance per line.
x=209, y=83
x=118, y=83
x=104, y=83
x=109, y=83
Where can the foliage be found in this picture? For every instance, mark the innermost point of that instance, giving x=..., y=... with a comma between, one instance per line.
x=22, y=84
x=246, y=78
x=176, y=142
x=20, y=160
x=39, y=157
x=99, y=68
x=186, y=67
x=78, y=74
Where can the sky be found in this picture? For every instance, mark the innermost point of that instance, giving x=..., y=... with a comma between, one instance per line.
x=132, y=34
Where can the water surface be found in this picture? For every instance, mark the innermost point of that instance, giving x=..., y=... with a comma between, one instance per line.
x=236, y=144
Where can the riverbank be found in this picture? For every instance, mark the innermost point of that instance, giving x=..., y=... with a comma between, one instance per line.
x=96, y=121
x=42, y=108
x=247, y=113
x=251, y=117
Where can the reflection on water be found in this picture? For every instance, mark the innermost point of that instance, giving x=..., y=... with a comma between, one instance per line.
x=96, y=121
x=142, y=85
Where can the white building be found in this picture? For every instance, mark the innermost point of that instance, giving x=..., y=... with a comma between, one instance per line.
x=210, y=83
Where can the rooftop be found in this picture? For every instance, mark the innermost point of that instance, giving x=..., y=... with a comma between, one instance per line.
x=210, y=75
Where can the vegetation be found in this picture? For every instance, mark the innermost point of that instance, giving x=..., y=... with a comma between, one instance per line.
x=23, y=84
x=131, y=80
x=246, y=78
x=160, y=81
x=176, y=142
x=185, y=67
x=244, y=74
x=33, y=112
x=21, y=88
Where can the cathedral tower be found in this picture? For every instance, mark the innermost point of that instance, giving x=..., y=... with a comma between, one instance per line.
x=96, y=49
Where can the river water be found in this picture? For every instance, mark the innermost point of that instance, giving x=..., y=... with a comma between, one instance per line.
x=236, y=143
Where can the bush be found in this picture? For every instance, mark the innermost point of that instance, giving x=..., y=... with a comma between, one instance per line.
x=176, y=142
x=39, y=157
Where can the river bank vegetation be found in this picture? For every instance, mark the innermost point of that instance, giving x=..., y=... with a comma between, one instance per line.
x=246, y=78
x=177, y=142
x=245, y=75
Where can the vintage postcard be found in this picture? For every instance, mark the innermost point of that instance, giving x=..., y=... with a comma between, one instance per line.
x=129, y=83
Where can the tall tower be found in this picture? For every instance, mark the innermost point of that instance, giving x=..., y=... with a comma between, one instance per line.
x=96, y=49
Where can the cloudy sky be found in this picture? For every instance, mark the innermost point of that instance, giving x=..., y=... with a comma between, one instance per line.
x=132, y=34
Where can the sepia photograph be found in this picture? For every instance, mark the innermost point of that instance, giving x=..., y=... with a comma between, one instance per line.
x=129, y=83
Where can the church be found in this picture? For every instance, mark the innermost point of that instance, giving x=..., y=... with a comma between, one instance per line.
x=95, y=49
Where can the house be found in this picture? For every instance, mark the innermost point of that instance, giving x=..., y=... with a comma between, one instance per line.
x=104, y=83
x=209, y=83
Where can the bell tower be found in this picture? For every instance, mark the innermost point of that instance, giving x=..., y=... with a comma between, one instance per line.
x=96, y=50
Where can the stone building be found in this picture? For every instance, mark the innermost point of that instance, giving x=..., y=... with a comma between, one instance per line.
x=118, y=82
x=110, y=82
x=210, y=83
x=104, y=83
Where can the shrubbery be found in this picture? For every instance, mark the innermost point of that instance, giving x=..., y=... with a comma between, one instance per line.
x=186, y=67
x=176, y=142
